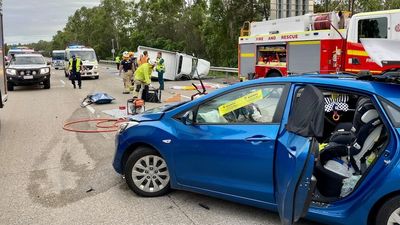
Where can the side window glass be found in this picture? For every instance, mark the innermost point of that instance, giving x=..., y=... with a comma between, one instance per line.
x=393, y=112
x=250, y=105
x=373, y=28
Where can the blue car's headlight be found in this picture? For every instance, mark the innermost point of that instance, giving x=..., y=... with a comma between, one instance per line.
x=125, y=126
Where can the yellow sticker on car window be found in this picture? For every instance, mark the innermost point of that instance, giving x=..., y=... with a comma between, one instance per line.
x=240, y=102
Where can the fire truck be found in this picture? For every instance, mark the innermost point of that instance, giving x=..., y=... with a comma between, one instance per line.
x=320, y=43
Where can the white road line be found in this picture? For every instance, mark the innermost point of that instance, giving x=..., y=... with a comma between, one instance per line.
x=186, y=96
x=91, y=109
x=63, y=82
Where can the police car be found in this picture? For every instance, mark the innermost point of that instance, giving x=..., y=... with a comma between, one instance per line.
x=28, y=69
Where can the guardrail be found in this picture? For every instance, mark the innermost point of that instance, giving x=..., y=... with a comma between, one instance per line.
x=224, y=69
x=107, y=61
x=212, y=68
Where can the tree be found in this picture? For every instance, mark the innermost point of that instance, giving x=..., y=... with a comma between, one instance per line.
x=206, y=28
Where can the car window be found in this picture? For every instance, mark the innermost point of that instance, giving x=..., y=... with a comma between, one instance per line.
x=393, y=112
x=84, y=55
x=58, y=56
x=256, y=104
x=29, y=60
x=373, y=28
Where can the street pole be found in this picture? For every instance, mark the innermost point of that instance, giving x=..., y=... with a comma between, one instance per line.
x=113, y=49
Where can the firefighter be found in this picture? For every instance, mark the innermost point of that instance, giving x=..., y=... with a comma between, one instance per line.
x=160, y=68
x=75, y=68
x=143, y=58
x=133, y=60
x=341, y=20
x=126, y=66
x=143, y=77
x=117, y=61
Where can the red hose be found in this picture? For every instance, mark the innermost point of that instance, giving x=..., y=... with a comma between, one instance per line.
x=111, y=128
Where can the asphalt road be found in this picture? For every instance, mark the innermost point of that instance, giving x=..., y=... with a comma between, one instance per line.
x=50, y=176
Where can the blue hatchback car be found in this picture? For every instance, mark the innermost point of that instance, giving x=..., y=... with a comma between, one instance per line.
x=319, y=147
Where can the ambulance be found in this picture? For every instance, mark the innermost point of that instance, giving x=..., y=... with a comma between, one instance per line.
x=90, y=63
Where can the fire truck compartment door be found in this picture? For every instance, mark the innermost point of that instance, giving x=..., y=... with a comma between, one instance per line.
x=382, y=51
x=247, y=58
x=304, y=57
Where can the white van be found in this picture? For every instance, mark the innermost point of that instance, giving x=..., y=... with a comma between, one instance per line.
x=177, y=65
x=89, y=60
x=57, y=59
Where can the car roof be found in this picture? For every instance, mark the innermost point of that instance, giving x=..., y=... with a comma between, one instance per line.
x=28, y=55
x=388, y=91
x=21, y=50
x=79, y=49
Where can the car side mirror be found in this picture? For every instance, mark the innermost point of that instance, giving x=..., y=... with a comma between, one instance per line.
x=188, y=118
x=66, y=59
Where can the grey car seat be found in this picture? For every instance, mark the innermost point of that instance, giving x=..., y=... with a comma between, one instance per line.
x=346, y=151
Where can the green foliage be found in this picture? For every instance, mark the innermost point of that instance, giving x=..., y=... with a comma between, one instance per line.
x=359, y=5
x=206, y=28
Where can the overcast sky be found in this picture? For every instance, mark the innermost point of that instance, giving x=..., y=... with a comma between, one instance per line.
x=27, y=21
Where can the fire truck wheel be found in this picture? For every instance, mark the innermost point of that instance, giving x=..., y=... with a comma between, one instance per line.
x=273, y=74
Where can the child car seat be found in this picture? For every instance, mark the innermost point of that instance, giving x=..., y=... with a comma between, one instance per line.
x=349, y=149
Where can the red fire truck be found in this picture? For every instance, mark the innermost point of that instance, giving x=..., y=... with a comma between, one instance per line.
x=319, y=43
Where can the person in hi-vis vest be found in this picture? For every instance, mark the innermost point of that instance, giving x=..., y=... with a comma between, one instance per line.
x=75, y=67
x=160, y=68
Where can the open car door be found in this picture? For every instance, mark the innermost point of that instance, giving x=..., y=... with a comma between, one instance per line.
x=297, y=150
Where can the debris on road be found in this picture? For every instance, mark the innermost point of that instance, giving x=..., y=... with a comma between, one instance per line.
x=204, y=206
x=98, y=98
x=175, y=98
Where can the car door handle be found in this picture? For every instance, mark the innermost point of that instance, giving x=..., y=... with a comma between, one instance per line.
x=258, y=138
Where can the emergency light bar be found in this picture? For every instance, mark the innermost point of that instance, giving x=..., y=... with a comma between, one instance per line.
x=76, y=46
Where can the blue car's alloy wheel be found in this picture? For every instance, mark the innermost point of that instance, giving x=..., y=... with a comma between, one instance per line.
x=389, y=212
x=146, y=173
x=394, y=217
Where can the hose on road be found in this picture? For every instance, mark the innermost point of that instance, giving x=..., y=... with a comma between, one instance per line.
x=114, y=125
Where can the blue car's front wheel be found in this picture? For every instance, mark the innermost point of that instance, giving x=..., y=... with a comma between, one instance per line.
x=146, y=173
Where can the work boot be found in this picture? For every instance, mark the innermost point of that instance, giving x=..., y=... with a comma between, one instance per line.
x=74, y=86
x=126, y=92
x=80, y=87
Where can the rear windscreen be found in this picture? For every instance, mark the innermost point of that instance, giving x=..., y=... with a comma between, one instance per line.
x=58, y=56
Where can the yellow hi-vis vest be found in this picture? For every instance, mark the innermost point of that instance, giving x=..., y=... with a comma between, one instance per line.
x=143, y=73
x=160, y=65
x=78, y=64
